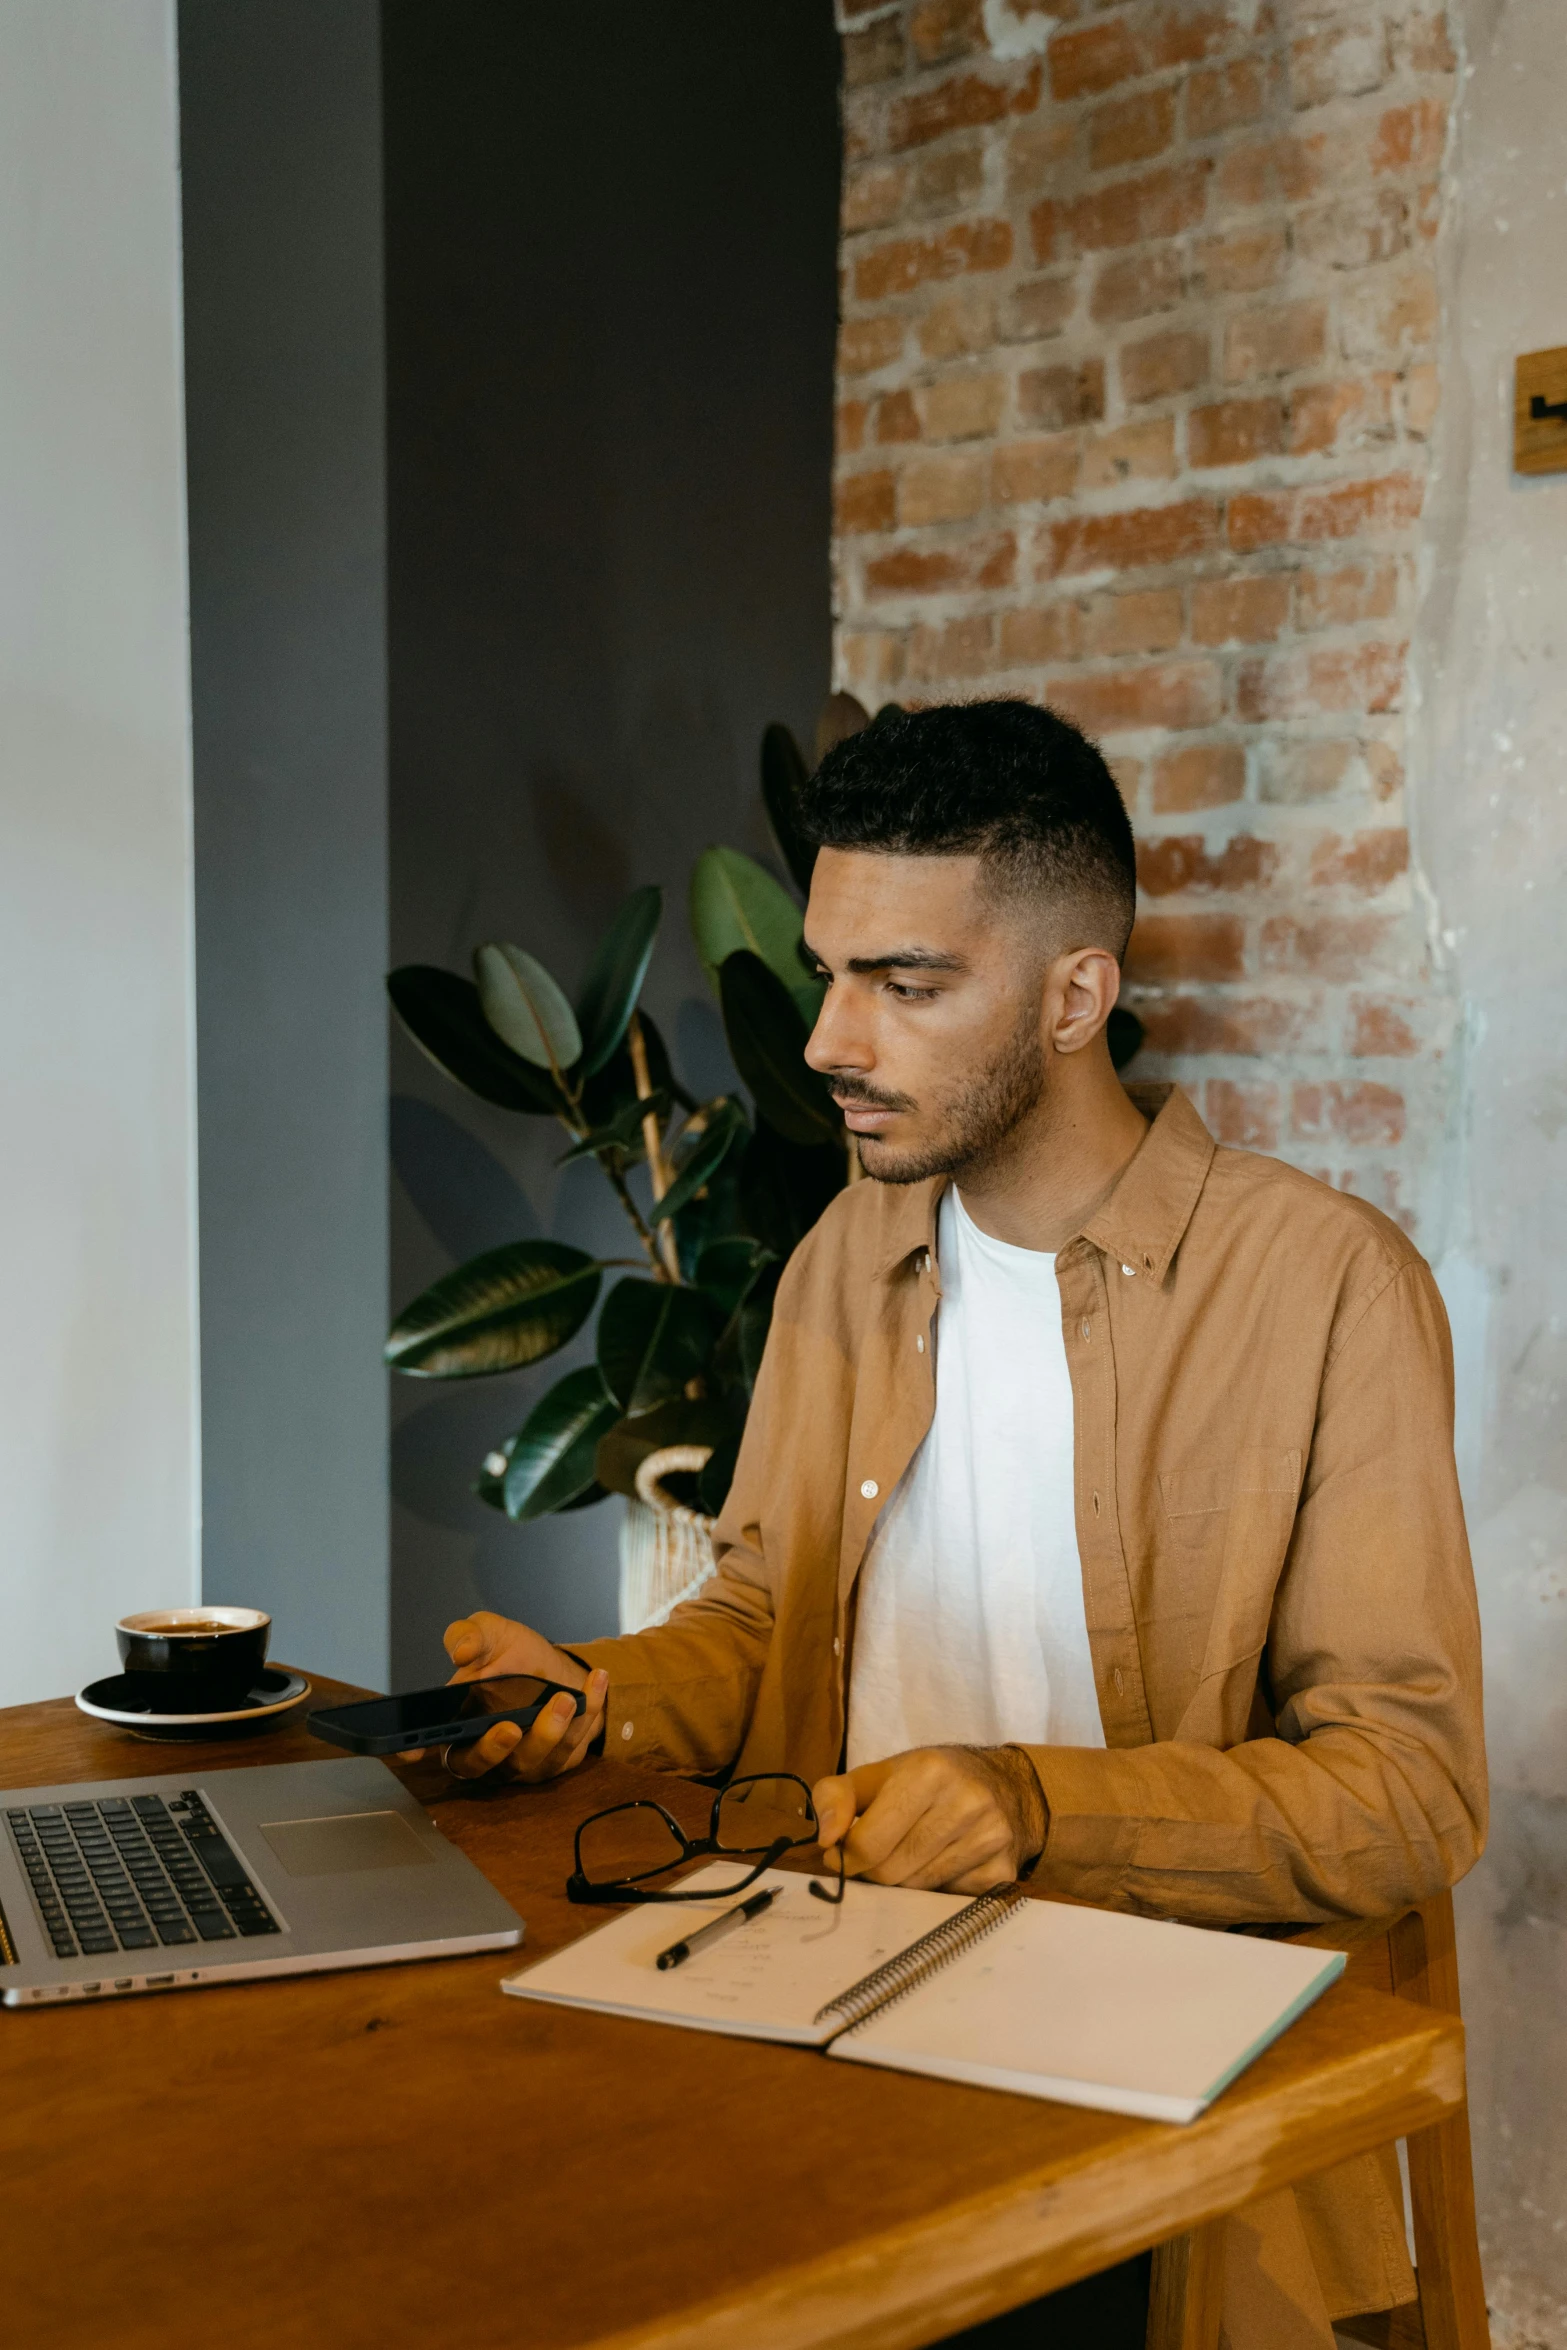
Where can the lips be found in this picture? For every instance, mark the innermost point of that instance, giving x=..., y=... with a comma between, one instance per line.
x=864, y=1117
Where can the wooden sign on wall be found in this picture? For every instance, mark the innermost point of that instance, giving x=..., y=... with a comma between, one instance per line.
x=1540, y=413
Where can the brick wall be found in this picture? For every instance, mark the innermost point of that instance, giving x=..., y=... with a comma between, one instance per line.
x=1137, y=378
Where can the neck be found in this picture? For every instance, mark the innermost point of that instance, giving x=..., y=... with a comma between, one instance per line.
x=1061, y=1161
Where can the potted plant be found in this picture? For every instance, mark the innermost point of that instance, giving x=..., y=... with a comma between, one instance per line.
x=715, y=1194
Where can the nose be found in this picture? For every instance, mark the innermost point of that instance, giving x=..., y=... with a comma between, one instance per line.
x=836, y=1043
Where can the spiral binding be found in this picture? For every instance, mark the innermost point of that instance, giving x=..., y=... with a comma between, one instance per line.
x=899, y=1976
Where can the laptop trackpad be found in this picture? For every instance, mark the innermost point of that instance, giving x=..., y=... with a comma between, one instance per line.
x=334, y=1847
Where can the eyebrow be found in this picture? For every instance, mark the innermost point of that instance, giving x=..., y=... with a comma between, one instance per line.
x=899, y=959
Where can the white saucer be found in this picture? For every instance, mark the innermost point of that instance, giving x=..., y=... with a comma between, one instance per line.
x=276, y=1692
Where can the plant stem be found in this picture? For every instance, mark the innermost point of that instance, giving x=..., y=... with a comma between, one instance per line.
x=632, y=1210
x=657, y=1165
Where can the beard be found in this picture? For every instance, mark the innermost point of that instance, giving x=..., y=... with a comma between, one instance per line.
x=976, y=1127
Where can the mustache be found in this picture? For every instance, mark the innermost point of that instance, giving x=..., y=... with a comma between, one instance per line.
x=854, y=1092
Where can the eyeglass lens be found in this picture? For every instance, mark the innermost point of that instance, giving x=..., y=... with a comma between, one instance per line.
x=633, y=1841
x=755, y=1814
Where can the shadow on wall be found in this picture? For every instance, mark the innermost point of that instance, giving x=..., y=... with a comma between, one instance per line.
x=611, y=313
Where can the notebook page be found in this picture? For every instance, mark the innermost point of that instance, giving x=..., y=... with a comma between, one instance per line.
x=763, y=1981
x=1095, y=2008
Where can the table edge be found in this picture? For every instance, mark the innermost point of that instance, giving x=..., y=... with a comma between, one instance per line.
x=917, y=2283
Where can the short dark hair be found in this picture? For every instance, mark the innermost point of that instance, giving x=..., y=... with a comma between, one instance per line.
x=1014, y=784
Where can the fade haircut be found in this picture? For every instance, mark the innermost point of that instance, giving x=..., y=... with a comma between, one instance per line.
x=1013, y=784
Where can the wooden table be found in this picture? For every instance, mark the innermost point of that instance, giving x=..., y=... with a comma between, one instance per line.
x=400, y=2155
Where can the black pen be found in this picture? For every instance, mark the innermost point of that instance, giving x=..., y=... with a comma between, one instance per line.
x=679, y=1952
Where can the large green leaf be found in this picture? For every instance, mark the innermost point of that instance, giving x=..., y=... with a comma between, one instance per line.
x=551, y=1463
x=696, y=1167
x=490, y=1484
x=652, y=1339
x=614, y=980
x=683, y=1420
x=768, y=1038
x=443, y=1015
x=726, y=1268
x=738, y=1355
x=784, y=1188
x=525, y=1007
x=513, y=1305
x=734, y=905
x=784, y=777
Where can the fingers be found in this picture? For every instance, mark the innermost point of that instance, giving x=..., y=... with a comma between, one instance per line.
x=485, y=1643
x=497, y=1746
x=933, y=1821
x=554, y=1743
x=840, y=1800
x=958, y=1851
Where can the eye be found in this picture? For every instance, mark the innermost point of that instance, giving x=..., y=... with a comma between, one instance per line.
x=911, y=995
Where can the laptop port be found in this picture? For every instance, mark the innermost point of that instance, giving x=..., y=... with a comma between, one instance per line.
x=87, y=1989
x=158, y=1982
x=123, y=1982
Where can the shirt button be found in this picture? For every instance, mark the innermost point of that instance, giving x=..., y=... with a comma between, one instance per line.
x=870, y=1489
x=626, y=1728
x=919, y=1343
x=837, y=1646
x=1086, y=1326
x=1120, y=1684
x=1130, y=1271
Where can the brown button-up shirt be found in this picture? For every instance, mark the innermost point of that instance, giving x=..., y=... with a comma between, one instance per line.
x=1277, y=1583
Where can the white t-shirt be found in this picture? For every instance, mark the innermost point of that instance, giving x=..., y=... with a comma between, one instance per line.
x=971, y=1628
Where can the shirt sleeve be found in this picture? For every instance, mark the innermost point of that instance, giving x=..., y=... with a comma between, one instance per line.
x=1371, y=1792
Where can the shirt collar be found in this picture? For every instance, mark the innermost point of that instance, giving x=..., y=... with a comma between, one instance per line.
x=1141, y=1223
x=1144, y=1219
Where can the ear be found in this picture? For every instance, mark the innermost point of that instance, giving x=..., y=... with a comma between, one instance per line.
x=1083, y=990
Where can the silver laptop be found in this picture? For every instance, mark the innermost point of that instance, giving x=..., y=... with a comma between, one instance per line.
x=281, y=1869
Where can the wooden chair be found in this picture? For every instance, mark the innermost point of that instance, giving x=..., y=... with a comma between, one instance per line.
x=1414, y=1957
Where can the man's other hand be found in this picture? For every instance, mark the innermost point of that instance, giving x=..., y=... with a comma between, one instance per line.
x=961, y=1818
x=484, y=1644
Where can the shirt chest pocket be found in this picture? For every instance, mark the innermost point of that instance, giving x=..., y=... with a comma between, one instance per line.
x=1227, y=1527
x=1204, y=1492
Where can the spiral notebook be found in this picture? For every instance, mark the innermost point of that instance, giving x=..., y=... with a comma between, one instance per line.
x=1038, y=1997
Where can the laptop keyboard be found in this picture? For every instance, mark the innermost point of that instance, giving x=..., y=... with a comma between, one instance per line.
x=130, y=1872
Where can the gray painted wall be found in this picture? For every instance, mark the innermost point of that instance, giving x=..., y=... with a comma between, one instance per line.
x=284, y=335
x=611, y=263
x=1489, y=790
x=98, y=1457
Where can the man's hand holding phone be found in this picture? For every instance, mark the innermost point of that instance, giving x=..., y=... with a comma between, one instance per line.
x=484, y=1644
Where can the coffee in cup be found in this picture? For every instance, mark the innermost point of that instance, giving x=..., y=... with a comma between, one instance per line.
x=195, y=1660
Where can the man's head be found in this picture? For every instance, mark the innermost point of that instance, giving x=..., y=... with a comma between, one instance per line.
x=971, y=902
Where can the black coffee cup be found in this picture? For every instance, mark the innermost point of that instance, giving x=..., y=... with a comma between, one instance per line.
x=195, y=1660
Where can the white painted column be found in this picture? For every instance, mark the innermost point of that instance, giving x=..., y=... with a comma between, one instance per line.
x=98, y=1411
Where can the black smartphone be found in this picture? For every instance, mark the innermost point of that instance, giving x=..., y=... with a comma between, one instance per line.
x=451, y=1716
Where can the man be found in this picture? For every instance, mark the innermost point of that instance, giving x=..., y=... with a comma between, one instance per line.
x=1097, y=1511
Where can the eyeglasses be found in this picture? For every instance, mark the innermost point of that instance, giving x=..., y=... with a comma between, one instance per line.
x=756, y=1819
